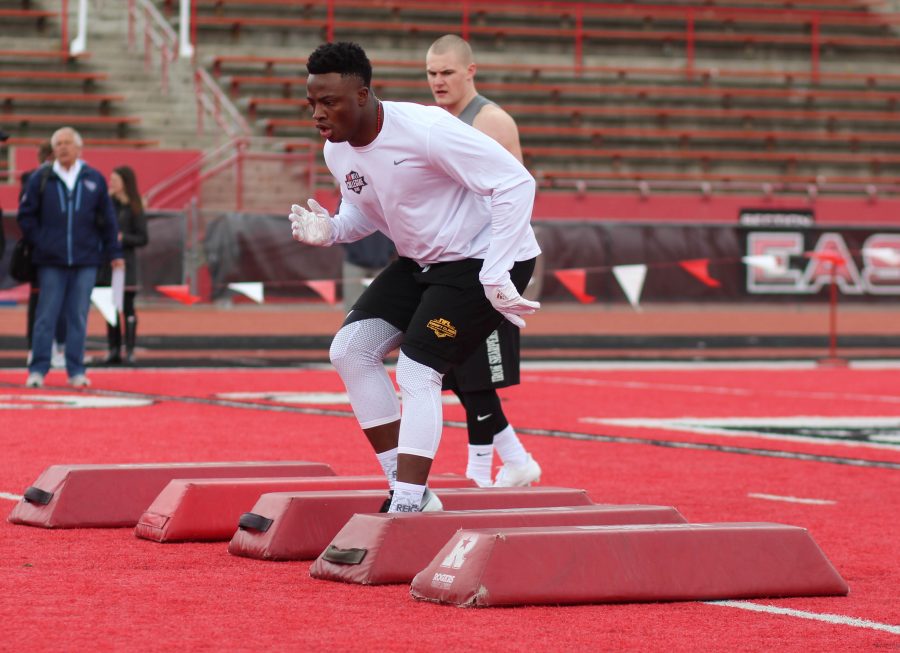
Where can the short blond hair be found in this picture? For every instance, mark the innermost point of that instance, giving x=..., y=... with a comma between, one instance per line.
x=453, y=43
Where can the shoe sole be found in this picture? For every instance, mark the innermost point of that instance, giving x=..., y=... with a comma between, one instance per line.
x=432, y=505
x=527, y=483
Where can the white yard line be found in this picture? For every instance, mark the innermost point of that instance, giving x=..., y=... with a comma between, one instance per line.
x=10, y=497
x=775, y=497
x=815, y=616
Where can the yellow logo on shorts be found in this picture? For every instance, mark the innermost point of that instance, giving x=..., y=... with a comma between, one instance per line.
x=442, y=328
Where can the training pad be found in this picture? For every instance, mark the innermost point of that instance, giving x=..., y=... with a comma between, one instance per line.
x=393, y=548
x=300, y=525
x=617, y=564
x=209, y=509
x=109, y=496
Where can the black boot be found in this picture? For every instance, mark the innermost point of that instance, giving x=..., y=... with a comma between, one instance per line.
x=114, y=345
x=130, y=338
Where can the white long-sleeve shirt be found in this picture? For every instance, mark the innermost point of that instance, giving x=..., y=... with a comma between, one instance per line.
x=440, y=189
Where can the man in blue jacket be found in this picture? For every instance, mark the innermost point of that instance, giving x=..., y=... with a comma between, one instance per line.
x=66, y=215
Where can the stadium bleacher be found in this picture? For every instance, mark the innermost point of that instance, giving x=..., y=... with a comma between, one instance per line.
x=736, y=89
x=719, y=104
x=43, y=85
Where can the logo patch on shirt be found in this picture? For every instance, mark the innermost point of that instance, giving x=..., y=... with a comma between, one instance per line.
x=90, y=185
x=442, y=328
x=355, y=181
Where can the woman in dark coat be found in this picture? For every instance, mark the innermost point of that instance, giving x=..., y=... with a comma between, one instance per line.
x=132, y=234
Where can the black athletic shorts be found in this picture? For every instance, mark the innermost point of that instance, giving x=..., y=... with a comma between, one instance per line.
x=441, y=309
x=494, y=364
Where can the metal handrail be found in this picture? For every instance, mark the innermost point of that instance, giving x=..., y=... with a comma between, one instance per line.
x=155, y=196
x=211, y=100
x=236, y=152
x=158, y=34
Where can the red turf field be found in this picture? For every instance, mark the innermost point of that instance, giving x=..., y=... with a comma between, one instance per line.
x=107, y=590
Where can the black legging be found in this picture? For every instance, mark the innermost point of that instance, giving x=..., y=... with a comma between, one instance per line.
x=484, y=415
x=114, y=333
x=128, y=303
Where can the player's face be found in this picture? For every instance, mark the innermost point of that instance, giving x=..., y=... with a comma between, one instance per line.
x=337, y=104
x=448, y=78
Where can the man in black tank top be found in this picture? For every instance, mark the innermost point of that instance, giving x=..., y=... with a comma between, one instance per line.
x=495, y=364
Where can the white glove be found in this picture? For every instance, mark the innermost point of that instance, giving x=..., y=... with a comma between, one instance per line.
x=509, y=303
x=311, y=227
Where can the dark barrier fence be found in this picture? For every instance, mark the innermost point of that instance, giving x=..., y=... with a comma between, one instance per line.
x=212, y=250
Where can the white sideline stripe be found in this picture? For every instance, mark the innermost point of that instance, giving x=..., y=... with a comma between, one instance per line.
x=775, y=497
x=11, y=497
x=570, y=365
x=714, y=390
x=542, y=366
x=876, y=364
x=815, y=616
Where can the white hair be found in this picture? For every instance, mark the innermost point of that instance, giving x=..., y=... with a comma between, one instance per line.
x=75, y=135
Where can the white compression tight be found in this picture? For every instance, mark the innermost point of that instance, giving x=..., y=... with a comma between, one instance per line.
x=358, y=352
x=420, y=388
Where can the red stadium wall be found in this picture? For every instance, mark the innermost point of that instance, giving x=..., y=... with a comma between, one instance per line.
x=154, y=166
x=150, y=166
x=694, y=208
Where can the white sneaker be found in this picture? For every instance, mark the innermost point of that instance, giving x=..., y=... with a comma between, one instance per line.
x=34, y=380
x=58, y=356
x=510, y=476
x=79, y=381
x=430, y=502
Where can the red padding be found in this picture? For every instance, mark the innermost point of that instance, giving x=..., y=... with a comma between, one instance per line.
x=395, y=547
x=303, y=523
x=209, y=509
x=616, y=564
x=109, y=496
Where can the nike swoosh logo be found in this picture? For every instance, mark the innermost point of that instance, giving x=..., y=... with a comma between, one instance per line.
x=481, y=418
x=482, y=454
x=396, y=162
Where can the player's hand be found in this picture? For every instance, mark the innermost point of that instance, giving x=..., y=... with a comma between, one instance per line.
x=311, y=227
x=509, y=303
x=317, y=208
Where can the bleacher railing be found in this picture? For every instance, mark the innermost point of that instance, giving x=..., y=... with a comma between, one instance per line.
x=158, y=37
x=213, y=102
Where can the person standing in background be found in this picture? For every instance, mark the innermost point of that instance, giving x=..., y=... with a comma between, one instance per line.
x=450, y=67
x=126, y=198
x=70, y=223
x=3, y=138
x=58, y=356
